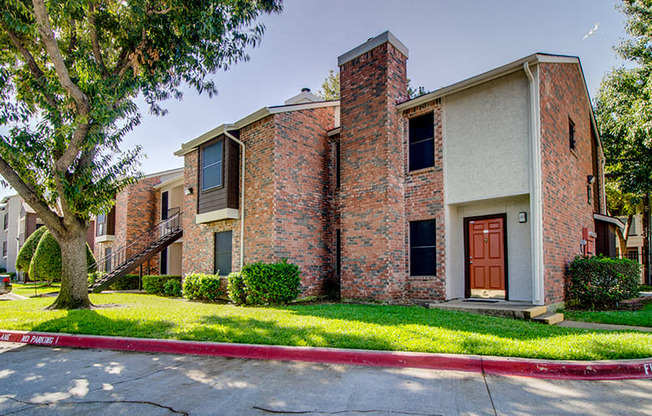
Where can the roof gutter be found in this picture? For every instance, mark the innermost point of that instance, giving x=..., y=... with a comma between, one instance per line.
x=242, y=195
x=535, y=190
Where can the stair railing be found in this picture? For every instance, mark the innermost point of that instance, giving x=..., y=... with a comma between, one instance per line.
x=157, y=232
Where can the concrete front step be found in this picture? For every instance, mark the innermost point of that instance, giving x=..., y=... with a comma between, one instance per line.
x=549, y=318
x=503, y=309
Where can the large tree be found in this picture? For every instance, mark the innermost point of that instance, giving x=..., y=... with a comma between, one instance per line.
x=623, y=111
x=70, y=74
x=624, y=105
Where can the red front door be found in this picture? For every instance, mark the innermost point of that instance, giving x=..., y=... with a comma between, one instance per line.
x=487, y=254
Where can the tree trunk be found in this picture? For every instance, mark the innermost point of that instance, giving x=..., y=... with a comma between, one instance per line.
x=74, y=273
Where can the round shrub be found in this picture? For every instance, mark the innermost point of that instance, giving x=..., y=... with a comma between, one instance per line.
x=173, y=288
x=271, y=283
x=236, y=288
x=601, y=282
x=203, y=287
x=155, y=284
x=28, y=249
x=46, y=262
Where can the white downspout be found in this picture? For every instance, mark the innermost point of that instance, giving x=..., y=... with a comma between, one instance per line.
x=242, y=195
x=535, y=192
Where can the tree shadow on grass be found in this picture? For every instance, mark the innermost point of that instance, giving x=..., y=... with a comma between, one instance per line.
x=487, y=335
x=247, y=330
x=92, y=323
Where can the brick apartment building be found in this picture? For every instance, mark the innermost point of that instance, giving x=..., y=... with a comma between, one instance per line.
x=124, y=231
x=487, y=187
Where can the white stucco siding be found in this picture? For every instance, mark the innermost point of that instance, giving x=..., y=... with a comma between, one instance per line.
x=519, y=246
x=486, y=140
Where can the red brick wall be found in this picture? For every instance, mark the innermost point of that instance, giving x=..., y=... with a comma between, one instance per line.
x=287, y=202
x=303, y=217
x=424, y=200
x=136, y=210
x=566, y=209
x=198, y=239
x=372, y=191
x=198, y=243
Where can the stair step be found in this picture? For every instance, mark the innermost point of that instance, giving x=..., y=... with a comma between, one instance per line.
x=549, y=318
x=534, y=311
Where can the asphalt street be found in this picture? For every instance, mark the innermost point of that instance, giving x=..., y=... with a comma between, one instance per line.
x=61, y=381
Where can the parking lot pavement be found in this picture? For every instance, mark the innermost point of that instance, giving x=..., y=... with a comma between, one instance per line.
x=50, y=381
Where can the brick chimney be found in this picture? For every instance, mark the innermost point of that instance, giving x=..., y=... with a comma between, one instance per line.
x=373, y=76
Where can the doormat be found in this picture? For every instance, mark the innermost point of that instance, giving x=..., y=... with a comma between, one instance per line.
x=481, y=300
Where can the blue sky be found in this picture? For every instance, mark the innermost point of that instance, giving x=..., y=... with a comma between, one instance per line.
x=449, y=40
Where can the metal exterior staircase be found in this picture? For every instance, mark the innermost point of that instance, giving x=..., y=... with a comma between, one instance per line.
x=142, y=248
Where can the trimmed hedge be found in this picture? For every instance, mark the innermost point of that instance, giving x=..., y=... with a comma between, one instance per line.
x=155, y=284
x=129, y=282
x=173, y=288
x=236, y=288
x=269, y=283
x=46, y=262
x=203, y=287
x=28, y=249
x=601, y=282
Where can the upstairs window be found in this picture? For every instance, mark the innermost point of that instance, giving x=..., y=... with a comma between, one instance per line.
x=571, y=134
x=101, y=224
x=211, y=166
x=423, y=250
x=6, y=221
x=422, y=142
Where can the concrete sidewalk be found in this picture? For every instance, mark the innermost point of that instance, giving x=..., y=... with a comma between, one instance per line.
x=52, y=381
x=604, y=327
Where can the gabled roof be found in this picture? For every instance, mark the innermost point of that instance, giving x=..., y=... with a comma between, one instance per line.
x=501, y=71
x=488, y=76
x=251, y=118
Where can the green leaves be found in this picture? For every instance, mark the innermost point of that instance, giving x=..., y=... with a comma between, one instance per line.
x=113, y=51
x=623, y=106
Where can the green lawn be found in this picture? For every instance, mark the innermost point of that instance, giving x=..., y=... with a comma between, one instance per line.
x=641, y=317
x=331, y=325
x=30, y=289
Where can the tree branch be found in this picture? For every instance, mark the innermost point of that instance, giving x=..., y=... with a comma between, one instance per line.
x=81, y=100
x=31, y=64
x=95, y=42
x=52, y=220
x=127, y=58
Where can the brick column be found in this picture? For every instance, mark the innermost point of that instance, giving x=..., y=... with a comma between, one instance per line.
x=373, y=224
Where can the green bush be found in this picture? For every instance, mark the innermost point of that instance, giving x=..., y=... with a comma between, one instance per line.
x=203, y=287
x=93, y=276
x=601, y=282
x=28, y=249
x=236, y=288
x=129, y=282
x=155, y=284
x=271, y=283
x=46, y=262
x=173, y=288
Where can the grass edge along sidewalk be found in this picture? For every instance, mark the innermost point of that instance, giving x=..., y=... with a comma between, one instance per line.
x=364, y=327
x=605, y=370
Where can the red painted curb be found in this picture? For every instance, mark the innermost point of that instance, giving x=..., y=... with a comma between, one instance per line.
x=577, y=370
